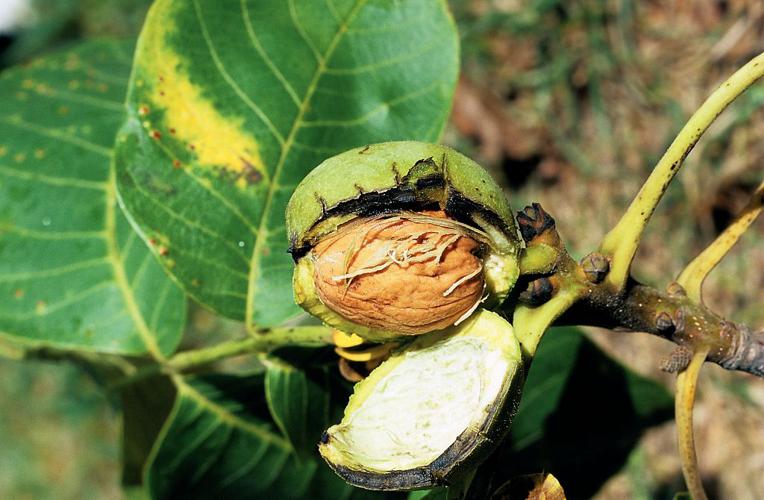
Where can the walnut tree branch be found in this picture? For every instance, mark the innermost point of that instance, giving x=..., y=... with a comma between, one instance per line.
x=580, y=294
x=675, y=317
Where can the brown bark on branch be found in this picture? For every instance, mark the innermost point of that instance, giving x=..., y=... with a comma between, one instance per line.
x=670, y=314
x=673, y=316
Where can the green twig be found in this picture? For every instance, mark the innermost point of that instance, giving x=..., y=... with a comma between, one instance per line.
x=686, y=383
x=621, y=243
x=260, y=341
x=531, y=323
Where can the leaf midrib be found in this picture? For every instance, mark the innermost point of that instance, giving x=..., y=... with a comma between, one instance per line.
x=120, y=276
x=285, y=149
x=226, y=416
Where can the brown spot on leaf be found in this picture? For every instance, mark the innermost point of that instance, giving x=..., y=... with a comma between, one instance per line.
x=176, y=164
x=249, y=173
x=155, y=134
x=19, y=293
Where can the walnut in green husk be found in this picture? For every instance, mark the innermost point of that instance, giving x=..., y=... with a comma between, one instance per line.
x=400, y=238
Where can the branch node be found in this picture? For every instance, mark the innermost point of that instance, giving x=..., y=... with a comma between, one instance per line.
x=664, y=323
x=595, y=267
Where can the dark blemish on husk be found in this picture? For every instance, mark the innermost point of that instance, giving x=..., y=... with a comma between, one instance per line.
x=396, y=172
x=322, y=202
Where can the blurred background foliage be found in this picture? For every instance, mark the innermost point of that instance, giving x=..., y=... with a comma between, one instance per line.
x=567, y=102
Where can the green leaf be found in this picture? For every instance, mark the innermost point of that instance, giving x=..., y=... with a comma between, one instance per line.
x=433, y=494
x=231, y=103
x=299, y=404
x=218, y=442
x=550, y=370
x=73, y=274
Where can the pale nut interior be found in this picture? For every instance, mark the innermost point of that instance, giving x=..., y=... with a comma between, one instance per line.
x=410, y=273
x=422, y=405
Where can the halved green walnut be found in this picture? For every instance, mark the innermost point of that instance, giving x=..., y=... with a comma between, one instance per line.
x=400, y=238
x=440, y=403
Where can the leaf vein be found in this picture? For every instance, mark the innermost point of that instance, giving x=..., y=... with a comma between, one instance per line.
x=52, y=180
x=56, y=134
x=264, y=55
x=378, y=109
x=55, y=271
x=231, y=82
x=356, y=70
x=285, y=149
x=303, y=34
x=226, y=416
x=120, y=276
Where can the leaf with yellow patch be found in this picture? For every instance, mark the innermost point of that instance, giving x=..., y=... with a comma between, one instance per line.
x=232, y=103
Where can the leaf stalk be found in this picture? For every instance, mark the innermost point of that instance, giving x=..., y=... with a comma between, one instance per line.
x=621, y=243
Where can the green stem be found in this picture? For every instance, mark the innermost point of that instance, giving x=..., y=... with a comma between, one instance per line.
x=531, y=323
x=309, y=336
x=621, y=243
x=258, y=342
x=686, y=383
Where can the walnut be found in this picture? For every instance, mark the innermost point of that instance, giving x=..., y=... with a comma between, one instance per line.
x=400, y=238
x=413, y=273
